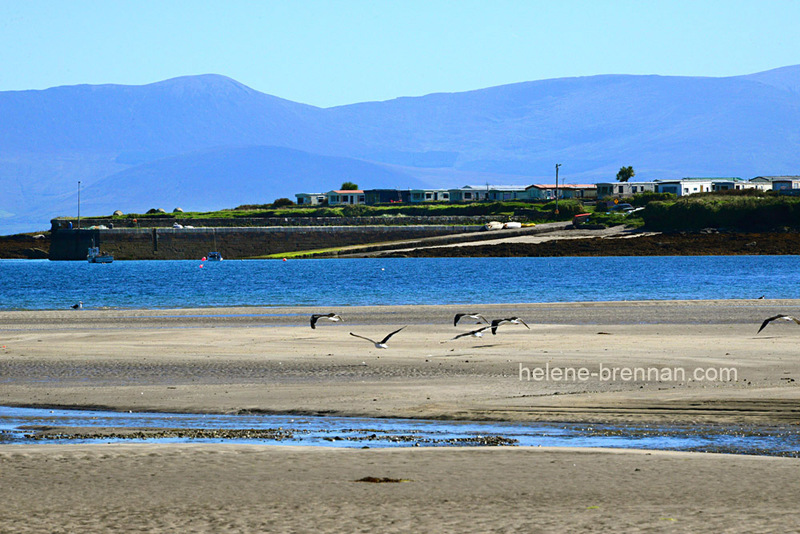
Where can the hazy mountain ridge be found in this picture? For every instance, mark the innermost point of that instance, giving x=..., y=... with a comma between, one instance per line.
x=173, y=116
x=199, y=180
x=784, y=78
x=573, y=119
x=131, y=145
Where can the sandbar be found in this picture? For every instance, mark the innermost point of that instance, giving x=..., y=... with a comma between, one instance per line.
x=269, y=360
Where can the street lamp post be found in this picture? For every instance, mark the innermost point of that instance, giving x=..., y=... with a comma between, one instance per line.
x=557, y=166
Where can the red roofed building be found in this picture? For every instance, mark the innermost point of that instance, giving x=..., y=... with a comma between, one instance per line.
x=346, y=196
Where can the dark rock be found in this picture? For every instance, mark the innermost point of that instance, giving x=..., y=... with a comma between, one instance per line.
x=35, y=254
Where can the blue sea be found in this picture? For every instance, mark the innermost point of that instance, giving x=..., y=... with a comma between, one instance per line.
x=42, y=285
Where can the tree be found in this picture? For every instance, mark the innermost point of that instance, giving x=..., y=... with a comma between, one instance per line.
x=349, y=186
x=282, y=202
x=625, y=174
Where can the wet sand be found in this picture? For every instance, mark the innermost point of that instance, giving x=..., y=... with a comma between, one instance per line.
x=270, y=360
x=237, y=488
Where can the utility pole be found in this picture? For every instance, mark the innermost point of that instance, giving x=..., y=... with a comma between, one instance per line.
x=79, y=204
x=557, y=166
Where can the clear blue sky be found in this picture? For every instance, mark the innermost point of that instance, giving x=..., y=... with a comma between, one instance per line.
x=328, y=53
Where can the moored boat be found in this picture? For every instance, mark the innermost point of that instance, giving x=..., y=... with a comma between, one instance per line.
x=95, y=255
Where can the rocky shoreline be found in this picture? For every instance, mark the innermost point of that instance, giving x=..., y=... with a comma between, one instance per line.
x=711, y=243
x=25, y=246
x=704, y=243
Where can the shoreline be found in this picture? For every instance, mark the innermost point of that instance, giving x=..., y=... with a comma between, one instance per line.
x=645, y=243
x=568, y=242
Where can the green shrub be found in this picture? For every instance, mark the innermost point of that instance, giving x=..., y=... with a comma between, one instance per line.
x=566, y=208
x=642, y=199
x=727, y=193
x=282, y=202
x=616, y=218
x=736, y=212
x=354, y=210
x=252, y=207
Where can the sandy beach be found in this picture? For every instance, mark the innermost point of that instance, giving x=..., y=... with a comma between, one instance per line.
x=713, y=369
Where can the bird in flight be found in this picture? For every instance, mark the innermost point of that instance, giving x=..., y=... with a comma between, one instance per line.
x=378, y=344
x=473, y=333
x=329, y=316
x=512, y=320
x=477, y=316
x=779, y=317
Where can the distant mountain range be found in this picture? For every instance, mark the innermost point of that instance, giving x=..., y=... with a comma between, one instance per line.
x=209, y=142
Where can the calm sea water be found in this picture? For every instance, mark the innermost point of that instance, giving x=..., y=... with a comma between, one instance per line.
x=41, y=284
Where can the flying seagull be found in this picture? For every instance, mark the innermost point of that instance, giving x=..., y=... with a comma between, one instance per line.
x=512, y=320
x=779, y=317
x=379, y=344
x=329, y=316
x=477, y=316
x=78, y=305
x=473, y=333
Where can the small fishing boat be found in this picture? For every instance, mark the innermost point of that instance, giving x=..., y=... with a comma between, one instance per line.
x=95, y=255
x=214, y=256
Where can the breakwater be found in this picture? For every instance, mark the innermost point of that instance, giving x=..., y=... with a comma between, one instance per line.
x=232, y=242
x=168, y=220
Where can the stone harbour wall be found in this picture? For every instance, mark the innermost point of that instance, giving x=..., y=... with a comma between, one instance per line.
x=232, y=243
x=167, y=221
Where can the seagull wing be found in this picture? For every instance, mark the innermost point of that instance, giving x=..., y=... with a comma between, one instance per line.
x=481, y=318
x=767, y=321
x=472, y=333
x=795, y=319
x=459, y=335
x=523, y=322
x=457, y=317
x=362, y=337
x=314, y=319
x=384, y=340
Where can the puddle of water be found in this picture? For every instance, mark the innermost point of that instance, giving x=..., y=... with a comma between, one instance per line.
x=29, y=425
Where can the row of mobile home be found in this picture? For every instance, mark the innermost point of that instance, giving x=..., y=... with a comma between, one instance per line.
x=690, y=186
x=468, y=193
x=545, y=192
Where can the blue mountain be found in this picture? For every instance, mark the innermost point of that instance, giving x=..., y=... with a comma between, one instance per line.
x=229, y=177
x=207, y=142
